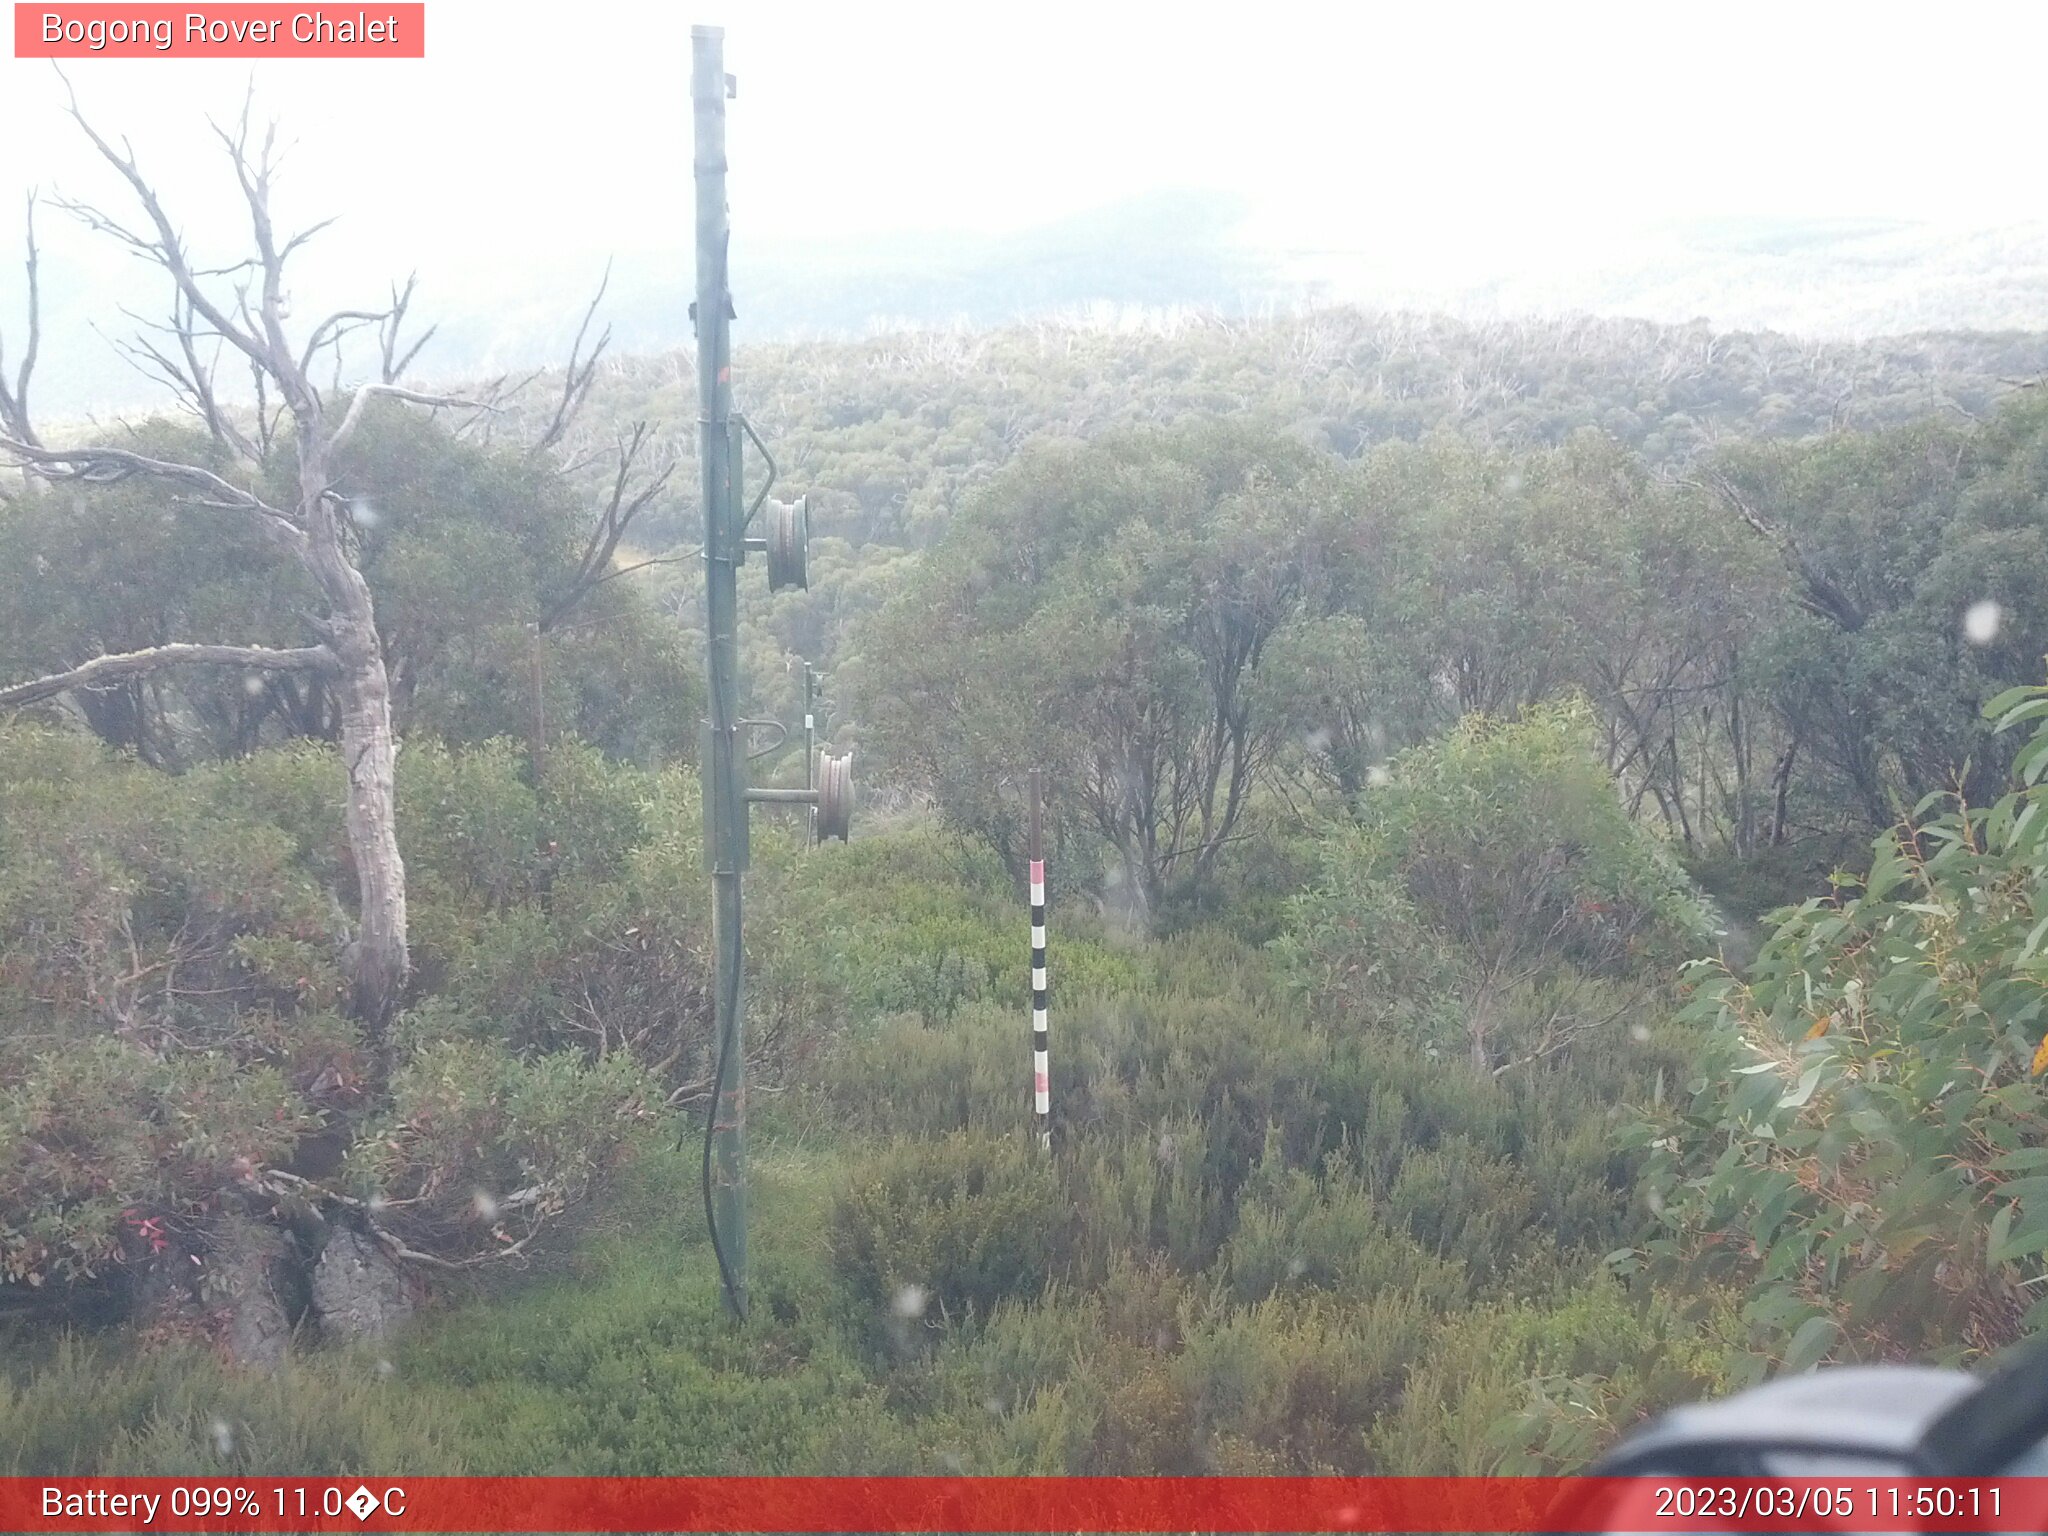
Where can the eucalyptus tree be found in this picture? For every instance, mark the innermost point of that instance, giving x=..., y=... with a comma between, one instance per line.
x=1105, y=611
x=1888, y=543
x=1859, y=1145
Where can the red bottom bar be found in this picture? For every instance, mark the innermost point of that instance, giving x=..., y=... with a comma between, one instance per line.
x=1021, y=1504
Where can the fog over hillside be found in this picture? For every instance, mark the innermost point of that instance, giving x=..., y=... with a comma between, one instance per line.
x=1837, y=279
x=900, y=164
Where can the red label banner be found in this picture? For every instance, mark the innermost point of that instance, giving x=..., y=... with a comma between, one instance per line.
x=1021, y=1504
x=228, y=31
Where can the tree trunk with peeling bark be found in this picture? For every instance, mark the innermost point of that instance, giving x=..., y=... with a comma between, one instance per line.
x=377, y=962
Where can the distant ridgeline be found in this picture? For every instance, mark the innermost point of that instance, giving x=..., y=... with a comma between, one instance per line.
x=894, y=426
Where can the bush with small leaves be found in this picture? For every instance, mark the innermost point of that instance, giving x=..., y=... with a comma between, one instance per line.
x=1486, y=885
x=941, y=1231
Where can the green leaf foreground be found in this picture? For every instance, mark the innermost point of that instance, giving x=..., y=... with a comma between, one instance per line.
x=1886, y=1178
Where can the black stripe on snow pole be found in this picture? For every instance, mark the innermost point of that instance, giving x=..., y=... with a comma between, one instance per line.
x=1041, y=1083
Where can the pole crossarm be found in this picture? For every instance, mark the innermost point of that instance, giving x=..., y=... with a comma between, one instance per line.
x=783, y=796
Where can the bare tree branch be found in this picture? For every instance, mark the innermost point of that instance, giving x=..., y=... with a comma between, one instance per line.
x=330, y=331
x=394, y=362
x=119, y=667
x=580, y=373
x=191, y=380
x=110, y=466
x=218, y=422
x=167, y=249
x=277, y=1182
x=255, y=180
x=648, y=564
x=14, y=414
x=268, y=417
x=366, y=392
x=595, y=566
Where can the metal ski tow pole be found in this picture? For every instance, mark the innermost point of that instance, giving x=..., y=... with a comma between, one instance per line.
x=724, y=765
x=785, y=541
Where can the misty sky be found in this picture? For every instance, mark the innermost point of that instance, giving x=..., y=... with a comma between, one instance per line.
x=1439, y=137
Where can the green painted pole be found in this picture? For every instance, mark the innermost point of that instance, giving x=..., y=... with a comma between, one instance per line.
x=810, y=751
x=724, y=765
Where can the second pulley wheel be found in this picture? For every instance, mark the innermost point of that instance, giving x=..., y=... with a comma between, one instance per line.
x=835, y=796
x=788, y=536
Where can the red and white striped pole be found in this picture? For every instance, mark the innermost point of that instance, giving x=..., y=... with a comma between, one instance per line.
x=1041, y=1080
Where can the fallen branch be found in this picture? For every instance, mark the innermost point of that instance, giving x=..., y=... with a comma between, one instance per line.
x=103, y=671
x=279, y=1184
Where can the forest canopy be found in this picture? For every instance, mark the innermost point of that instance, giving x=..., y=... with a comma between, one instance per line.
x=1492, y=772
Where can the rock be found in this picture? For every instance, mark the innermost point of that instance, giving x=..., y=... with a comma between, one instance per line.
x=252, y=1276
x=359, y=1292
x=234, y=1291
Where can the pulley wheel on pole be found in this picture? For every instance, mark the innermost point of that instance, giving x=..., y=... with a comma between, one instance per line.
x=835, y=796
x=788, y=536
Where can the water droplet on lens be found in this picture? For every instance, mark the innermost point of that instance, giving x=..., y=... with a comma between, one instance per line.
x=1981, y=624
x=910, y=1301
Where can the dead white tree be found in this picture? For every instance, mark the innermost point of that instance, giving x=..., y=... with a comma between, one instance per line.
x=14, y=412
x=240, y=311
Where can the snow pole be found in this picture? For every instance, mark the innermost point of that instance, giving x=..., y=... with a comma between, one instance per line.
x=1041, y=1079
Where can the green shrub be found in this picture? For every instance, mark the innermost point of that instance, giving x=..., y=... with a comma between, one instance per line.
x=622, y=1361
x=1297, y=1232
x=479, y=1147
x=941, y=1231
x=1147, y=1195
x=1292, y=1385
x=166, y=986
x=915, y=921
x=901, y=1077
x=468, y=826
x=1540, y=1386
x=77, y=1410
x=1483, y=887
x=169, y=987
x=1461, y=1204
